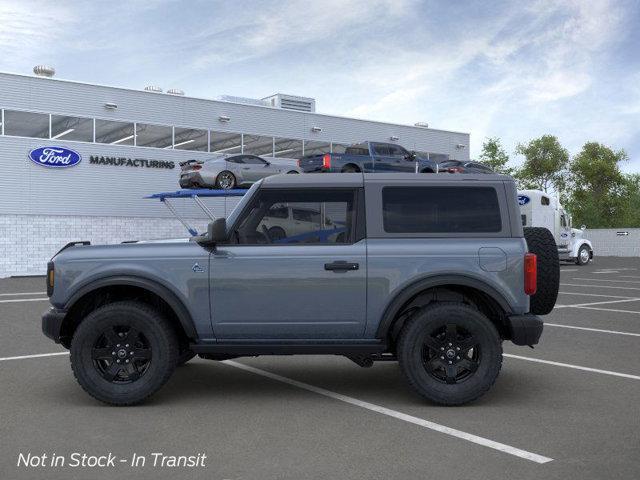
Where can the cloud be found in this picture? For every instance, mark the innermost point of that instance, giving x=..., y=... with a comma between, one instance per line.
x=30, y=30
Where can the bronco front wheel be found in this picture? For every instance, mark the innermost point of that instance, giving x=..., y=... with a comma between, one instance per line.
x=450, y=353
x=123, y=352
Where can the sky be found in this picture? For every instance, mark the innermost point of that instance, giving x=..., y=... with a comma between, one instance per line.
x=514, y=70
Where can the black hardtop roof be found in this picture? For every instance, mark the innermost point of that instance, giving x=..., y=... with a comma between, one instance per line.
x=359, y=179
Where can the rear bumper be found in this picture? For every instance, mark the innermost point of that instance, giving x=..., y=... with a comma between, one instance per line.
x=525, y=329
x=52, y=323
x=190, y=180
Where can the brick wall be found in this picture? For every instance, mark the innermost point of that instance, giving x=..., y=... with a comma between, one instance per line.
x=27, y=242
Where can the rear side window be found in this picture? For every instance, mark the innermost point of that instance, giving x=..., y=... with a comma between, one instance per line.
x=441, y=210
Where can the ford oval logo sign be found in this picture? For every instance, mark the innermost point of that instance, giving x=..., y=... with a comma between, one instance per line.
x=56, y=157
x=523, y=200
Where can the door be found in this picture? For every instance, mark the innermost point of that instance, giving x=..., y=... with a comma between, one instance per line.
x=257, y=168
x=308, y=284
x=382, y=160
x=401, y=160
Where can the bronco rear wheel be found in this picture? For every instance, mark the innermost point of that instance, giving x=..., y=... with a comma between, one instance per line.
x=450, y=353
x=123, y=352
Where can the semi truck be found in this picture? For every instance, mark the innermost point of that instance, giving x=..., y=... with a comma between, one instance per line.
x=539, y=209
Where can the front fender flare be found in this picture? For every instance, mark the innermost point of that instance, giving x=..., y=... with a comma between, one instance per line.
x=411, y=290
x=184, y=317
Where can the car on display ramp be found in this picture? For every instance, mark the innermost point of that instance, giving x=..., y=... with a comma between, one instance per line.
x=227, y=172
x=369, y=157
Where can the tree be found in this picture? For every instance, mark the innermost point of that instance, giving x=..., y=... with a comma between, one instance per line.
x=599, y=191
x=545, y=164
x=493, y=155
x=631, y=210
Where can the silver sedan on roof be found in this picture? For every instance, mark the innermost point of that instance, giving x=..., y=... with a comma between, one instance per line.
x=231, y=171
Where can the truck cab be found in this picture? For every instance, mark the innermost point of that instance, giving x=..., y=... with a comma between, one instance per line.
x=539, y=209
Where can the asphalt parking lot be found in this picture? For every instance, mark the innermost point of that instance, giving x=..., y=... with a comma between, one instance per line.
x=568, y=409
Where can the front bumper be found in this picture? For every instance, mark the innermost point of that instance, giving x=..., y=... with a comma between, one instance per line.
x=52, y=324
x=525, y=329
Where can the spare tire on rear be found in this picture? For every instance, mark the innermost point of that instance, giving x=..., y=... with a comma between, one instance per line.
x=541, y=242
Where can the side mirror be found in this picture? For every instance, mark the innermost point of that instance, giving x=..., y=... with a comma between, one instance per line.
x=583, y=227
x=267, y=163
x=216, y=233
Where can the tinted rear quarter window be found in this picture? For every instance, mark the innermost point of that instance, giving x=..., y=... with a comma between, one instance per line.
x=441, y=210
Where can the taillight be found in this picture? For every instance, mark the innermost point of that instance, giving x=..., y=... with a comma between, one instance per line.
x=298, y=162
x=530, y=273
x=326, y=161
x=50, y=278
x=455, y=169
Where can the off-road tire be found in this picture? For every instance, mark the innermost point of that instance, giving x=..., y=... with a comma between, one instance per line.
x=411, y=353
x=541, y=242
x=579, y=257
x=154, y=328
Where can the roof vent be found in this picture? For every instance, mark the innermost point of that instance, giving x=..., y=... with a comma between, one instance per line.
x=153, y=88
x=44, y=71
x=292, y=102
x=175, y=91
x=422, y=124
x=244, y=100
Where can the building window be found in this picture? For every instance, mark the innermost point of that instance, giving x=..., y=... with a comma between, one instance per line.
x=157, y=136
x=224, y=142
x=258, y=145
x=72, y=128
x=114, y=133
x=441, y=210
x=338, y=147
x=190, y=139
x=312, y=147
x=26, y=124
x=287, y=148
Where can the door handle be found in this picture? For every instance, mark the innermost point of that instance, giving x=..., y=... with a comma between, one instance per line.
x=341, y=266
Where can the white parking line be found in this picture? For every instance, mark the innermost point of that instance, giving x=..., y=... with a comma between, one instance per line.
x=598, y=286
x=599, y=330
x=604, y=272
x=22, y=357
x=610, y=310
x=597, y=303
x=576, y=367
x=592, y=295
x=606, y=280
x=395, y=414
x=569, y=270
x=21, y=293
x=17, y=300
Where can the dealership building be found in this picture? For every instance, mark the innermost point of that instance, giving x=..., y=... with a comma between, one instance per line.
x=127, y=144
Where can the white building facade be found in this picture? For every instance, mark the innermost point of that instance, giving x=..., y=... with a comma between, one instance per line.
x=129, y=144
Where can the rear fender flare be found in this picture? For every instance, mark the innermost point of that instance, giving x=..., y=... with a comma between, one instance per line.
x=393, y=307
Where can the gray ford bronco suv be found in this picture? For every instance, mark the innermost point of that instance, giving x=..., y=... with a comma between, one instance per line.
x=432, y=271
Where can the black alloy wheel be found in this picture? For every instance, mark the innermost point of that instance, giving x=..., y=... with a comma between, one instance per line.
x=121, y=354
x=451, y=354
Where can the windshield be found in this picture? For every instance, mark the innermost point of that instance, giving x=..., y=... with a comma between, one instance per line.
x=233, y=216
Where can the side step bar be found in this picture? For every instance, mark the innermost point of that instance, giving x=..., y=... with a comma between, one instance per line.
x=290, y=348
